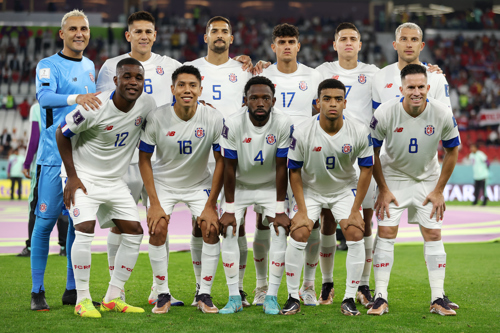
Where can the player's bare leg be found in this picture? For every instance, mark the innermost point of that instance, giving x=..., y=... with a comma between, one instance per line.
x=159, y=262
x=383, y=260
x=210, y=259
x=364, y=296
x=261, y=245
x=435, y=258
x=328, y=246
x=307, y=292
x=196, y=246
x=354, y=264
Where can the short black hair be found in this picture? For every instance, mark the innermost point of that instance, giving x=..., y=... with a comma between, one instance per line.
x=219, y=19
x=413, y=69
x=186, y=69
x=330, y=84
x=259, y=80
x=140, y=16
x=128, y=61
x=345, y=26
x=285, y=30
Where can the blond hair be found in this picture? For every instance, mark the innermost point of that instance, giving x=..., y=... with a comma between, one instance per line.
x=409, y=25
x=74, y=12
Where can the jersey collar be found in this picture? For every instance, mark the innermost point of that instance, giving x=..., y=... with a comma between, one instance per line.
x=68, y=58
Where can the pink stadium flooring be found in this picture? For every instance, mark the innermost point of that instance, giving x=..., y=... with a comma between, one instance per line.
x=462, y=224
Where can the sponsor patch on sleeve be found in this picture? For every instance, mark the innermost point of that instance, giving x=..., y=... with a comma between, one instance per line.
x=44, y=73
x=78, y=118
x=373, y=122
x=225, y=131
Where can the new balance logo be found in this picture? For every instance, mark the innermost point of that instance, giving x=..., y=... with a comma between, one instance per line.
x=161, y=278
x=388, y=85
x=278, y=264
x=81, y=266
x=290, y=274
x=109, y=128
x=382, y=265
x=312, y=265
x=111, y=268
x=208, y=278
x=354, y=282
x=228, y=265
x=258, y=260
x=170, y=133
x=247, y=140
x=198, y=263
x=128, y=269
x=243, y=266
x=398, y=130
x=317, y=149
x=325, y=255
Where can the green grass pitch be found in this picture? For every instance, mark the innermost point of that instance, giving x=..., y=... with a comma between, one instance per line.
x=472, y=281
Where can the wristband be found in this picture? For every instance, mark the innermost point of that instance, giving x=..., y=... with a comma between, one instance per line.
x=72, y=99
x=230, y=207
x=280, y=207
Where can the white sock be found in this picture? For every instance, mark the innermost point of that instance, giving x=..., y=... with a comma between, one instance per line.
x=81, y=258
x=365, y=278
x=435, y=257
x=159, y=263
x=328, y=246
x=311, y=258
x=261, y=245
x=113, y=243
x=273, y=289
x=231, y=259
x=196, y=247
x=276, y=257
x=243, y=245
x=210, y=259
x=383, y=260
x=354, y=265
x=112, y=293
x=126, y=257
x=294, y=260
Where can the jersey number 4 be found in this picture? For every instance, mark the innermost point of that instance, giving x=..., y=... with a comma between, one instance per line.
x=259, y=158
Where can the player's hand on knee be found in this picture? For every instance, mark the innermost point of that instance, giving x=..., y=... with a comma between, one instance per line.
x=382, y=204
x=260, y=66
x=246, y=62
x=301, y=220
x=227, y=219
x=209, y=216
x=281, y=220
x=155, y=214
x=354, y=220
x=72, y=184
x=89, y=101
x=438, y=204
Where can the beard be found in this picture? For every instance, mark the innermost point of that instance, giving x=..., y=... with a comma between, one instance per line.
x=259, y=117
x=219, y=49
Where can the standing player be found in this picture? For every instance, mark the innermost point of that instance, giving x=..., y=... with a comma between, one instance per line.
x=296, y=88
x=158, y=71
x=357, y=78
x=223, y=81
x=184, y=134
x=255, y=145
x=320, y=160
x=408, y=176
x=95, y=162
x=62, y=80
x=387, y=82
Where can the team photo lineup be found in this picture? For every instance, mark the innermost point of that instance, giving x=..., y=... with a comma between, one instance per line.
x=308, y=149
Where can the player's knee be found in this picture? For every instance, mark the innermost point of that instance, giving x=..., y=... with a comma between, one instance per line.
x=387, y=232
x=85, y=227
x=115, y=230
x=213, y=236
x=241, y=231
x=301, y=234
x=353, y=234
x=432, y=235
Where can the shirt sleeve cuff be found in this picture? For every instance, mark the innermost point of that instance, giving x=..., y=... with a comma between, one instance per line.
x=377, y=143
x=375, y=104
x=365, y=161
x=229, y=153
x=292, y=164
x=216, y=147
x=451, y=143
x=143, y=146
x=65, y=130
x=282, y=152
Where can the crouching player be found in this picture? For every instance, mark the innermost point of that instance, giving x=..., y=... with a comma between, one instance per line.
x=184, y=133
x=255, y=144
x=320, y=159
x=95, y=161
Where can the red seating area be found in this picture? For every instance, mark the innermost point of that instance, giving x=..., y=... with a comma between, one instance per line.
x=479, y=137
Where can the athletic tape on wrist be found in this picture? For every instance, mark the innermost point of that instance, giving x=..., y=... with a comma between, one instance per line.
x=280, y=207
x=72, y=99
x=230, y=207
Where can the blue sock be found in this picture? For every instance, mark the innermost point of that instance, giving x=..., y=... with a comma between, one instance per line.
x=40, y=251
x=70, y=278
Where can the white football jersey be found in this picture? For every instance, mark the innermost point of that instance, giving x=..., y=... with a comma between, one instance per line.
x=358, y=83
x=327, y=161
x=387, y=81
x=411, y=143
x=223, y=85
x=256, y=148
x=107, y=137
x=182, y=146
x=295, y=92
x=157, y=79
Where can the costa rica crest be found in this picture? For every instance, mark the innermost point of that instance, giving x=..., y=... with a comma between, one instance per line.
x=199, y=133
x=159, y=70
x=429, y=130
x=43, y=207
x=303, y=85
x=138, y=121
x=271, y=139
x=362, y=78
x=233, y=78
x=76, y=212
x=347, y=148
x=91, y=77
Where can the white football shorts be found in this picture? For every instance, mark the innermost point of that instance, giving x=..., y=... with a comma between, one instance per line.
x=194, y=199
